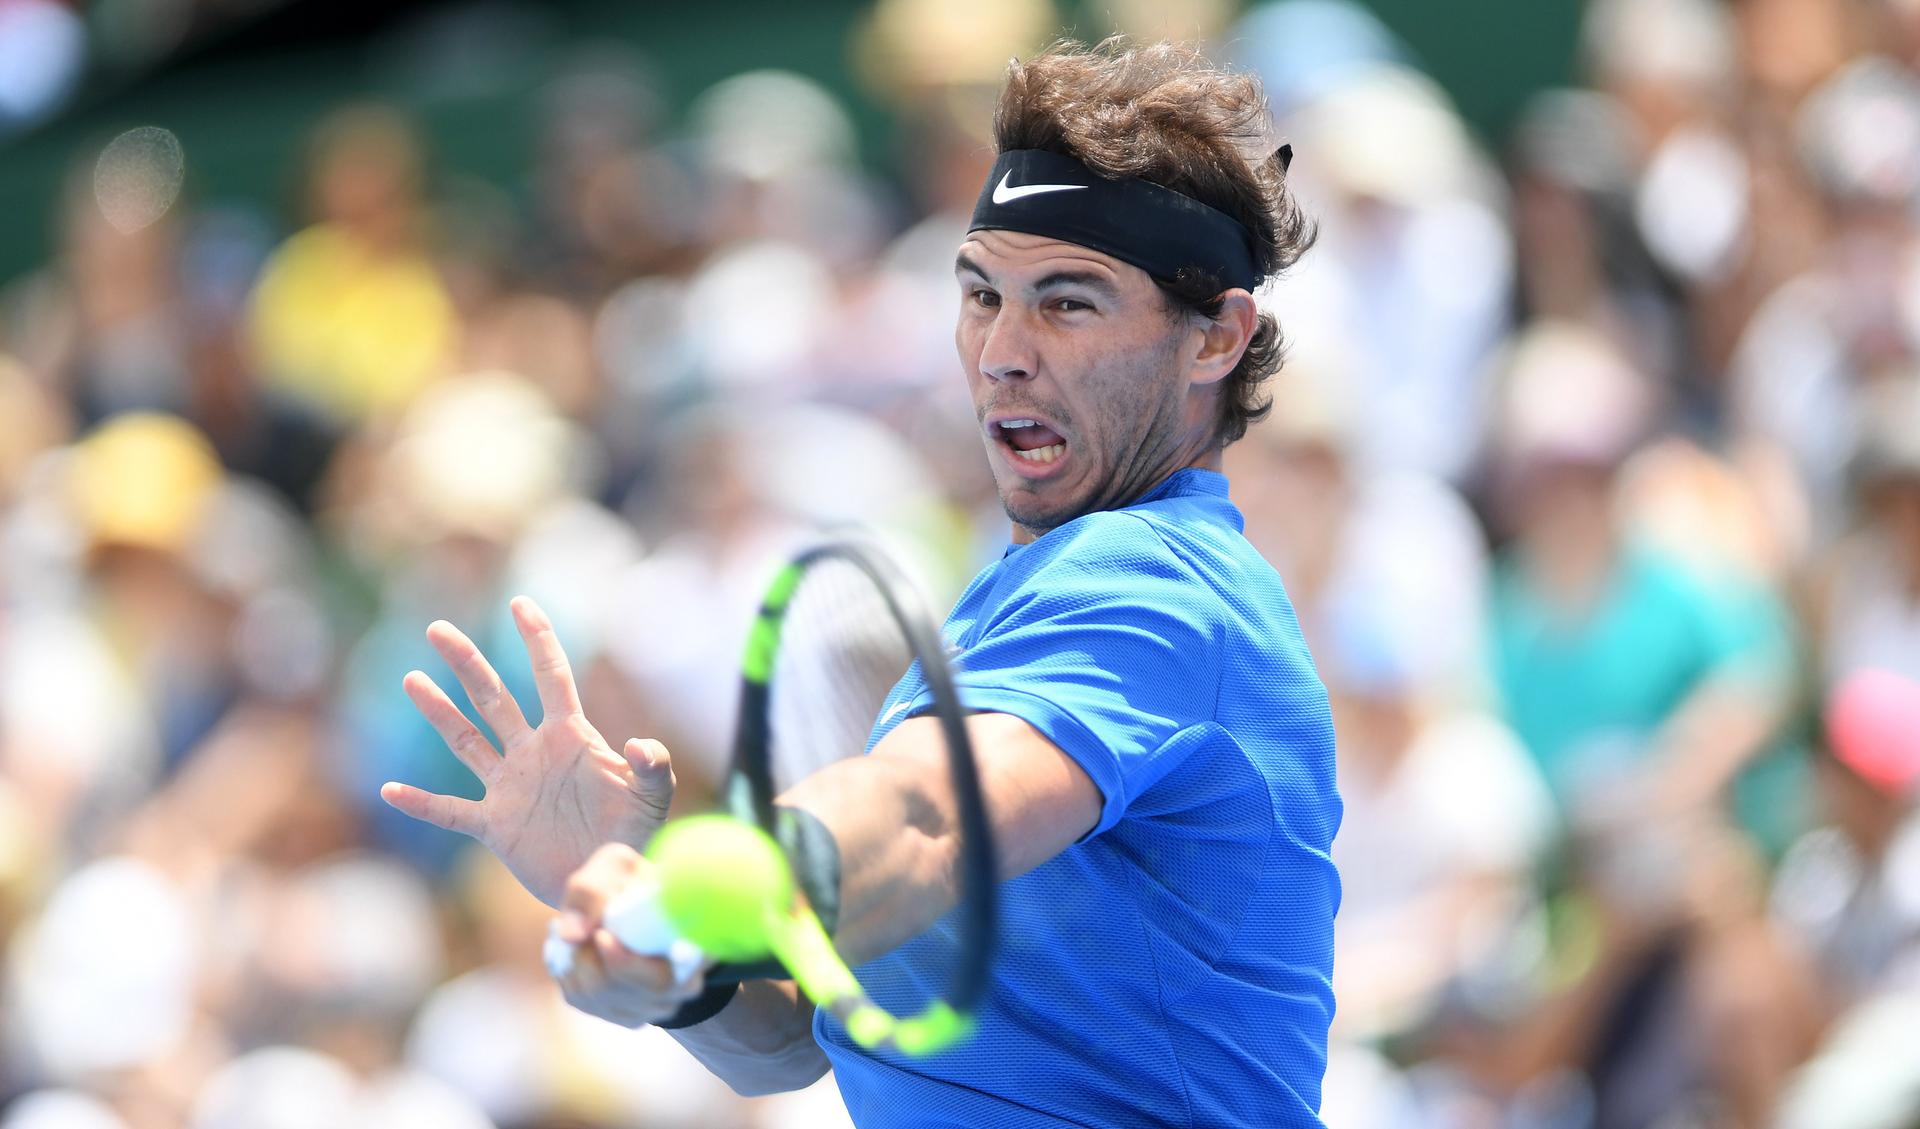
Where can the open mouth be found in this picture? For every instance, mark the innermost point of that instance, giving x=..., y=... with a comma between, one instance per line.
x=1030, y=443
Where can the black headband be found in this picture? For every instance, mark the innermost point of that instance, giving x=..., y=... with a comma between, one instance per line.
x=1136, y=221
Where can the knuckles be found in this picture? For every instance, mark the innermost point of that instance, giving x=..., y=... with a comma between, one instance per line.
x=598, y=879
x=611, y=862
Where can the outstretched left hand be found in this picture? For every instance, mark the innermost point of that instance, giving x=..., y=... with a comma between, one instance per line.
x=554, y=794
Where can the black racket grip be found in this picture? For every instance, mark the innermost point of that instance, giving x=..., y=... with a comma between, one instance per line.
x=736, y=972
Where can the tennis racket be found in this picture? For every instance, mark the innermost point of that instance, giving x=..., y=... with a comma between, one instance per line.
x=837, y=628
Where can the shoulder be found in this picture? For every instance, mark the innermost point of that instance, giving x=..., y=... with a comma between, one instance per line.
x=1667, y=593
x=1107, y=557
x=1129, y=541
x=1656, y=574
x=1108, y=583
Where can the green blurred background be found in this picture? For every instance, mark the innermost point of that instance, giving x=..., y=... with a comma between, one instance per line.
x=243, y=100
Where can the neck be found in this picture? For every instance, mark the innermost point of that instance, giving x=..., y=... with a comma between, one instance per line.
x=1027, y=535
x=1193, y=447
x=1573, y=564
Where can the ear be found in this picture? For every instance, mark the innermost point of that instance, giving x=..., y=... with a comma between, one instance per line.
x=1224, y=338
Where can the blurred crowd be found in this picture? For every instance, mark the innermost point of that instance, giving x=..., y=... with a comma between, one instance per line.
x=52, y=50
x=1594, y=474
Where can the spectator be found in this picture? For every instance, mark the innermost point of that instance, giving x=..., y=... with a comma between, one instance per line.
x=1637, y=690
x=350, y=315
x=1868, y=602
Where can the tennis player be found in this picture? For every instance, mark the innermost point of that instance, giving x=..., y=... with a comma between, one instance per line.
x=1156, y=747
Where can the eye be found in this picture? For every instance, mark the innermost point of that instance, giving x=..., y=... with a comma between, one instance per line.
x=1072, y=305
x=985, y=299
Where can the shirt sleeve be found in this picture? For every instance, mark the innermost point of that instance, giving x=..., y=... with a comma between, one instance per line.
x=1109, y=655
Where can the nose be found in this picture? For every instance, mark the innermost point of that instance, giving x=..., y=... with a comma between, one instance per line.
x=1008, y=351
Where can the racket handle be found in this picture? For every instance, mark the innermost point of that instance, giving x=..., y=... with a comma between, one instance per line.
x=635, y=919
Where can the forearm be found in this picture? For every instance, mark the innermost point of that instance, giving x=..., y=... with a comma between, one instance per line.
x=761, y=1042
x=894, y=817
x=892, y=821
x=1714, y=734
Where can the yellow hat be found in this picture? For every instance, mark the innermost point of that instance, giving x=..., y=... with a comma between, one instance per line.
x=144, y=479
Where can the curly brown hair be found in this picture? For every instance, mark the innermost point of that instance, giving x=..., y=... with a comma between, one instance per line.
x=1163, y=113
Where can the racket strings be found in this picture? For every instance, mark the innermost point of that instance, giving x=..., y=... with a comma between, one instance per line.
x=841, y=651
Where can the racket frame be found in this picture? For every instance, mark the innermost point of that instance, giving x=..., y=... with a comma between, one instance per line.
x=750, y=796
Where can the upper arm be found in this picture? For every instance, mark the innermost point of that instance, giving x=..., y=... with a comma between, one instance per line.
x=1077, y=682
x=1107, y=657
x=1039, y=800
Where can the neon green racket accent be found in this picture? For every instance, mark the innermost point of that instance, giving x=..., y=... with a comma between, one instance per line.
x=764, y=639
x=802, y=945
x=938, y=1026
x=869, y=1025
x=781, y=590
x=933, y=1030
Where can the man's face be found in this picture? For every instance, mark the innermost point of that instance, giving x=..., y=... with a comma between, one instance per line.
x=1088, y=349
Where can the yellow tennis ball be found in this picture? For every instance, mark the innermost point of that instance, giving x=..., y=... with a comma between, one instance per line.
x=720, y=879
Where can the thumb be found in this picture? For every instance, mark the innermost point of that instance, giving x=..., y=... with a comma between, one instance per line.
x=652, y=765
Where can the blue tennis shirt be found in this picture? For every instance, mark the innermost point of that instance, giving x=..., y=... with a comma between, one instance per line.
x=1174, y=966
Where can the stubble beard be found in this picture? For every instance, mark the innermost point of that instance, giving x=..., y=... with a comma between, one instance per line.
x=1150, y=455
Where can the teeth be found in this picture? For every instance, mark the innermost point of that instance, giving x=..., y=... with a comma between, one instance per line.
x=1013, y=423
x=1043, y=454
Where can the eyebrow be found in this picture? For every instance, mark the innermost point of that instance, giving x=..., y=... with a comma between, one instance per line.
x=1090, y=279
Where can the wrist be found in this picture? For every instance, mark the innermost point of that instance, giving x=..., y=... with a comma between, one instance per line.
x=814, y=855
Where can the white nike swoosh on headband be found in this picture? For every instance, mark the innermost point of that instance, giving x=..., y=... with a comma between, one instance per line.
x=1002, y=194
x=888, y=716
